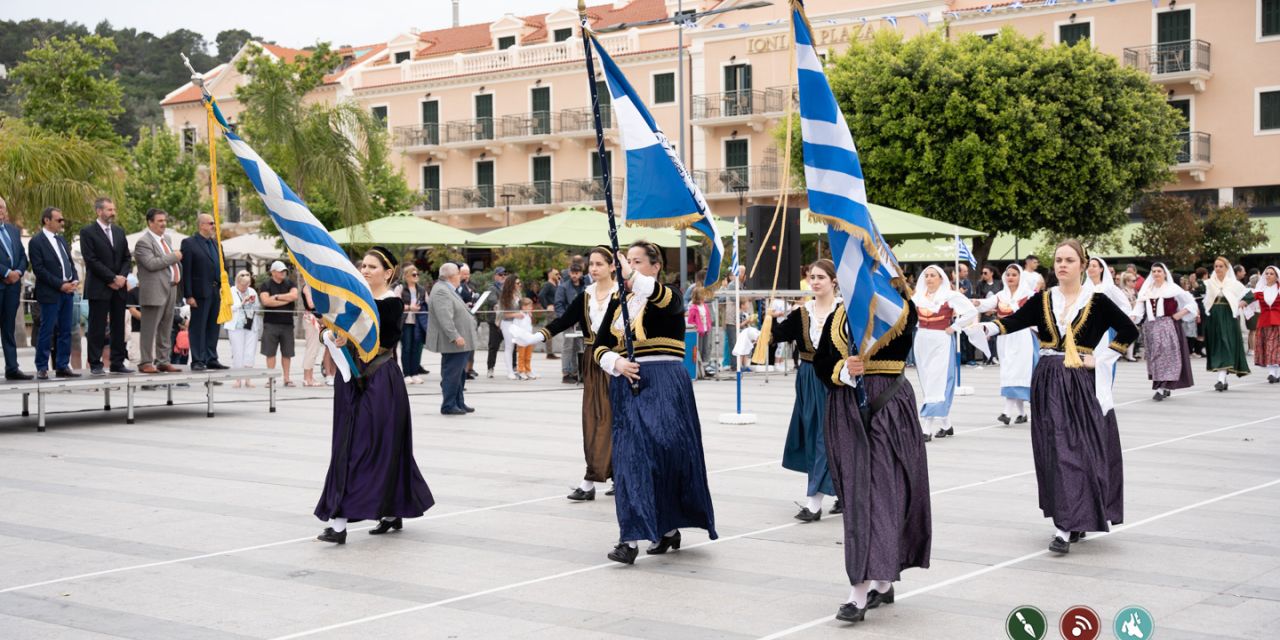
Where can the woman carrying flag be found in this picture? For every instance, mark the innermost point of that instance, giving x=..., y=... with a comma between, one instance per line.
x=806, y=450
x=372, y=474
x=659, y=471
x=599, y=300
x=942, y=312
x=1019, y=351
x=879, y=466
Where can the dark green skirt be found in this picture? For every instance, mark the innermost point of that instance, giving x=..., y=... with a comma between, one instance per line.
x=1223, y=342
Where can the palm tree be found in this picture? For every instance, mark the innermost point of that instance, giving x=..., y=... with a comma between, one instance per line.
x=41, y=169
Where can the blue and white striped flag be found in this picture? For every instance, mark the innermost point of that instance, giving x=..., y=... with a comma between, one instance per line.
x=660, y=192
x=865, y=265
x=1049, y=3
x=341, y=296
x=965, y=254
x=893, y=21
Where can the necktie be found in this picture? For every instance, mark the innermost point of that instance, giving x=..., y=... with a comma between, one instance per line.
x=62, y=257
x=4, y=239
x=173, y=269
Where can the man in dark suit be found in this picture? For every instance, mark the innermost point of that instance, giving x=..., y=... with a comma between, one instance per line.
x=56, y=282
x=107, y=264
x=202, y=287
x=13, y=265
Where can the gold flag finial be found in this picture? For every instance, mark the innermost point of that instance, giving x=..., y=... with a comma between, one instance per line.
x=582, y=7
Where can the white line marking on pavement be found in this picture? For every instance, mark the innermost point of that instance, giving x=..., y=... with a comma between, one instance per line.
x=1008, y=563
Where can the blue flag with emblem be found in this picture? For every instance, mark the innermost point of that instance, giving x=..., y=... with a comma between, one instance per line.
x=865, y=265
x=660, y=192
x=342, y=298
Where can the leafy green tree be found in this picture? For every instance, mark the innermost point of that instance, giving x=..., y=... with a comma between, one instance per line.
x=1228, y=231
x=1004, y=135
x=1170, y=231
x=40, y=168
x=160, y=175
x=64, y=90
x=229, y=42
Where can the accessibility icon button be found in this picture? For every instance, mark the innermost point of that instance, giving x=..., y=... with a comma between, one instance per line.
x=1026, y=623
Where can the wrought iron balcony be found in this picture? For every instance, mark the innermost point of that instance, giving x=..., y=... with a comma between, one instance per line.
x=722, y=183
x=1194, y=157
x=1173, y=62
x=524, y=125
x=739, y=105
x=430, y=199
x=477, y=197
x=418, y=135
x=587, y=190
x=581, y=121
x=464, y=132
x=526, y=193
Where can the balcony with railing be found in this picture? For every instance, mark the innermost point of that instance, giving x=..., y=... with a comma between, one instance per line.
x=1193, y=156
x=519, y=56
x=753, y=106
x=587, y=190
x=537, y=126
x=523, y=195
x=759, y=180
x=418, y=137
x=461, y=134
x=1184, y=61
x=526, y=196
x=581, y=122
x=529, y=126
x=477, y=198
x=430, y=199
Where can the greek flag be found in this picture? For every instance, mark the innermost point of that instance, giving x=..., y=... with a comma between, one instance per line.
x=865, y=265
x=660, y=192
x=893, y=21
x=965, y=254
x=342, y=297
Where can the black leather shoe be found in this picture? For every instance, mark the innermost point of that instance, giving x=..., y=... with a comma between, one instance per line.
x=945, y=433
x=850, y=612
x=122, y=369
x=580, y=495
x=1272, y=379
x=199, y=367
x=1076, y=536
x=468, y=409
x=17, y=375
x=612, y=490
x=875, y=598
x=471, y=375
x=806, y=515
x=624, y=553
x=1218, y=386
x=336, y=537
x=569, y=379
x=927, y=437
x=1005, y=419
x=453, y=412
x=1166, y=392
x=385, y=526
x=66, y=373
x=42, y=374
x=1158, y=397
x=217, y=366
x=837, y=508
x=671, y=543
x=1058, y=545
x=99, y=371
x=1020, y=420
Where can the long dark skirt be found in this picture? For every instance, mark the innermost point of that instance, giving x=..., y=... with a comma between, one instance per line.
x=597, y=421
x=806, y=448
x=1076, y=451
x=659, y=471
x=1168, y=357
x=1223, y=341
x=372, y=472
x=882, y=476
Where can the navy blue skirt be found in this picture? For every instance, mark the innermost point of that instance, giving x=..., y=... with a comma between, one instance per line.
x=806, y=448
x=659, y=470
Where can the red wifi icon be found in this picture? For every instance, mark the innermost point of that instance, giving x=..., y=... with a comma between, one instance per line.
x=1080, y=623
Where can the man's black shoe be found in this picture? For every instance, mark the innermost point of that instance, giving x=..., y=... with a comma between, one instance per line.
x=122, y=369
x=66, y=373
x=97, y=371
x=17, y=375
x=199, y=367
x=217, y=366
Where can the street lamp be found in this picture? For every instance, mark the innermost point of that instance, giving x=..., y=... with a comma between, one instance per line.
x=506, y=198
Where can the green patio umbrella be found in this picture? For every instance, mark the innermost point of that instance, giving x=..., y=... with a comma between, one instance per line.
x=1005, y=249
x=895, y=225
x=575, y=227
x=403, y=228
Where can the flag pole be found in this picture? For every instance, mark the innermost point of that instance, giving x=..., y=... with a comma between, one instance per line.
x=605, y=171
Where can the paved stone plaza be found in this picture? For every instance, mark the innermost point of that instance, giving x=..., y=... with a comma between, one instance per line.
x=183, y=527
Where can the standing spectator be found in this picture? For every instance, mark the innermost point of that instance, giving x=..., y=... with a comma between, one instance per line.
x=13, y=265
x=159, y=279
x=506, y=312
x=699, y=315
x=413, y=324
x=1031, y=271
x=277, y=298
x=988, y=286
x=202, y=288
x=56, y=282
x=566, y=293
x=491, y=318
x=107, y=264
x=1132, y=269
x=452, y=334
x=547, y=300
x=242, y=329
x=133, y=335
x=312, y=347
x=469, y=297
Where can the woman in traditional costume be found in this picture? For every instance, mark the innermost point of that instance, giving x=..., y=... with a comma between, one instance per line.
x=659, y=471
x=1018, y=352
x=878, y=463
x=1225, y=298
x=1162, y=305
x=372, y=474
x=805, y=449
x=588, y=312
x=1075, y=448
x=1266, y=353
x=942, y=312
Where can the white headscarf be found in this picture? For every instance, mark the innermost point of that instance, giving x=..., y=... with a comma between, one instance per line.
x=1268, y=292
x=943, y=295
x=1169, y=289
x=1229, y=287
x=1025, y=287
x=1108, y=287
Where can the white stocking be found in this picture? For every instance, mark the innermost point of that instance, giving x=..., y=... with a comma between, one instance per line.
x=587, y=485
x=338, y=524
x=815, y=502
x=1222, y=376
x=858, y=594
x=1010, y=407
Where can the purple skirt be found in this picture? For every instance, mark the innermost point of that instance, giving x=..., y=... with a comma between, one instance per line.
x=881, y=475
x=1168, y=357
x=1079, y=469
x=372, y=472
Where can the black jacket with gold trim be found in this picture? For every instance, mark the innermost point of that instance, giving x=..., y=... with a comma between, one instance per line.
x=833, y=349
x=1088, y=329
x=796, y=329
x=659, y=327
x=579, y=314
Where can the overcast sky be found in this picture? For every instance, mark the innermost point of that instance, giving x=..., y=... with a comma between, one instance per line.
x=288, y=22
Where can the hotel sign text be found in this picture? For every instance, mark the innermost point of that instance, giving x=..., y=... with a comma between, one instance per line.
x=841, y=34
